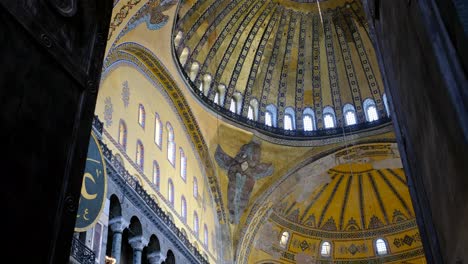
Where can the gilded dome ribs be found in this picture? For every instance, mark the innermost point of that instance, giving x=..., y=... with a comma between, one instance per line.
x=283, y=83
x=256, y=63
x=327, y=204
x=394, y=190
x=379, y=199
x=316, y=78
x=219, y=40
x=312, y=202
x=199, y=20
x=361, y=203
x=229, y=52
x=365, y=62
x=398, y=177
x=332, y=70
x=353, y=83
x=247, y=45
x=271, y=64
x=345, y=201
x=213, y=25
x=299, y=102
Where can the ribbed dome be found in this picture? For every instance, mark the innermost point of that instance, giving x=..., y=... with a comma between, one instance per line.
x=295, y=65
x=358, y=197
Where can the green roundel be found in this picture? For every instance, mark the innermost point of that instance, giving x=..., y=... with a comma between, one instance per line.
x=93, y=188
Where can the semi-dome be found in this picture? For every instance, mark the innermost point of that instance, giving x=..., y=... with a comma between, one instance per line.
x=292, y=68
x=363, y=215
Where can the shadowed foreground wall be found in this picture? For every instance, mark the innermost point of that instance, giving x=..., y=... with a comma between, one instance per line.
x=428, y=90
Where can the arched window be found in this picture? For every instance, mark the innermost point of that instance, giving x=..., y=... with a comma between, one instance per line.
x=170, y=144
x=183, y=164
x=289, y=120
x=206, y=84
x=221, y=92
x=156, y=176
x=329, y=117
x=195, y=187
x=238, y=103
x=370, y=110
x=123, y=134
x=184, y=56
x=284, y=239
x=183, y=209
x=381, y=247
x=141, y=116
x=308, y=119
x=178, y=38
x=157, y=130
x=205, y=235
x=349, y=114
x=270, y=115
x=268, y=118
x=385, y=101
x=170, y=192
x=195, y=223
x=232, y=107
x=325, y=249
x=194, y=70
x=140, y=154
x=252, y=112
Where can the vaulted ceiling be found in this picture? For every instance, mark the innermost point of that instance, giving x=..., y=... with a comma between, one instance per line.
x=289, y=54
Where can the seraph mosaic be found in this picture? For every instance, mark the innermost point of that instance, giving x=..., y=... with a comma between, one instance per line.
x=242, y=170
x=152, y=15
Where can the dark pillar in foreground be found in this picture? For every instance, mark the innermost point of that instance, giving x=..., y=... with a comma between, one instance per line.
x=422, y=56
x=51, y=54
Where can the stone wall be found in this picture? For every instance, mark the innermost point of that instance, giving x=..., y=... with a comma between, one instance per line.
x=427, y=88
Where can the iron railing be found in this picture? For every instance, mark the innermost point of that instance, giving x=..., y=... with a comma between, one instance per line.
x=81, y=253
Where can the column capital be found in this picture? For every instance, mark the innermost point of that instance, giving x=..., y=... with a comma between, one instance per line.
x=137, y=243
x=118, y=224
x=156, y=258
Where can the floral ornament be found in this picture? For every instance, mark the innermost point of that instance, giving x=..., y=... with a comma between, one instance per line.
x=108, y=110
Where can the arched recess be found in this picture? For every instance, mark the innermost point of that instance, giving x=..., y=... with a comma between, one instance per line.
x=135, y=227
x=154, y=249
x=170, y=258
x=115, y=212
x=315, y=168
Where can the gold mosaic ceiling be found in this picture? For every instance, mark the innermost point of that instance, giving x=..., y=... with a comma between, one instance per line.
x=358, y=206
x=282, y=56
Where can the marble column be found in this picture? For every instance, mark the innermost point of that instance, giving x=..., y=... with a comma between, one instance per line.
x=117, y=225
x=156, y=258
x=137, y=244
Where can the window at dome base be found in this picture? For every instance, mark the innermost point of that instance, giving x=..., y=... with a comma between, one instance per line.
x=325, y=250
x=381, y=247
x=284, y=239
